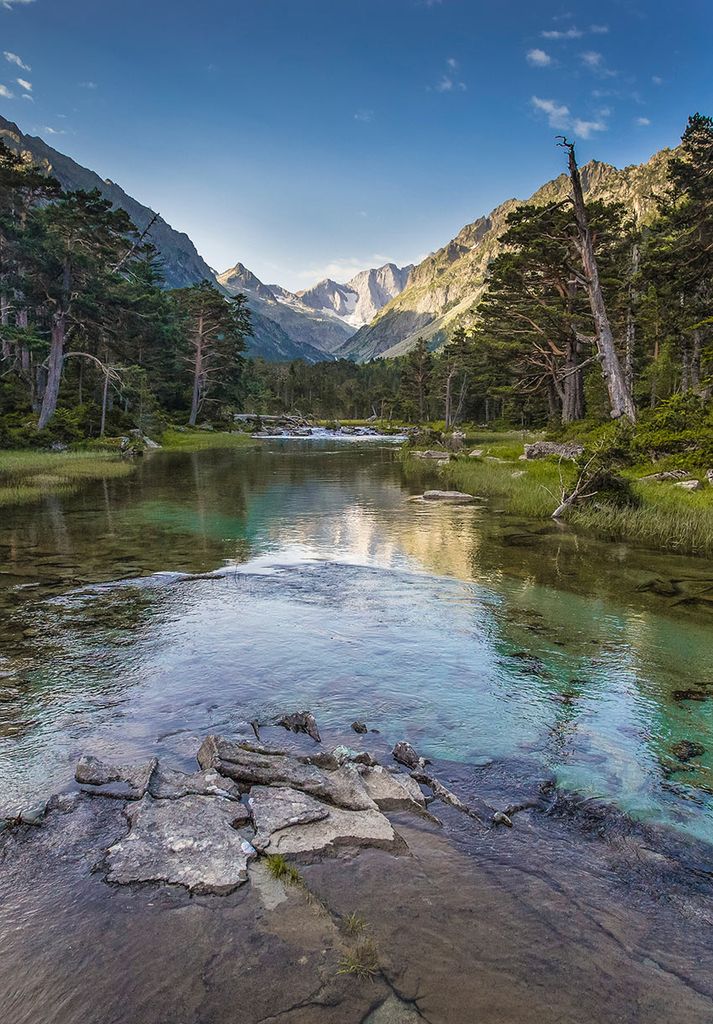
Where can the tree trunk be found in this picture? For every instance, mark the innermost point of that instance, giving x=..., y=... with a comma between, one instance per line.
x=197, y=375
x=631, y=322
x=105, y=394
x=573, y=385
x=620, y=400
x=449, y=385
x=54, y=370
x=696, y=362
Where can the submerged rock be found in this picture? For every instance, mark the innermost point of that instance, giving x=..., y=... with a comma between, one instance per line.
x=121, y=781
x=274, y=809
x=404, y=753
x=359, y=727
x=686, y=750
x=692, y=694
x=341, y=786
x=456, y=497
x=190, y=841
x=301, y=721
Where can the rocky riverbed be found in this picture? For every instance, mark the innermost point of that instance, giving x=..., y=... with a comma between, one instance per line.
x=302, y=877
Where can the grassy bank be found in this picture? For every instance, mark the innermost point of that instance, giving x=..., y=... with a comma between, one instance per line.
x=27, y=476
x=666, y=517
x=199, y=440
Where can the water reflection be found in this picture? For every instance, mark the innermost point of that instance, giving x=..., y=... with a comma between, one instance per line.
x=472, y=633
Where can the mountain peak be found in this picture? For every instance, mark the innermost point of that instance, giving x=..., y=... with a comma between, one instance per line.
x=240, y=279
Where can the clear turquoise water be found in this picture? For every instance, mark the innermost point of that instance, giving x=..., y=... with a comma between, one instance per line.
x=469, y=633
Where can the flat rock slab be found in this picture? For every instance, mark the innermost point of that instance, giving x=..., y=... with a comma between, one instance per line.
x=121, y=781
x=341, y=787
x=274, y=809
x=340, y=828
x=170, y=784
x=190, y=841
x=392, y=791
x=456, y=497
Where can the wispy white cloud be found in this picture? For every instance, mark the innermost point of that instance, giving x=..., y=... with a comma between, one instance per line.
x=26, y=96
x=24, y=84
x=657, y=80
x=87, y=85
x=643, y=122
x=557, y=113
x=559, y=116
x=13, y=58
x=594, y=61
x=586, y=128
x=364, y=116
x=343, y=268
x=566, y=33
x=449, y=80
x=5, y=92
x=53, y=131
x=573, y=32
x=538, y=58
x=9, y=4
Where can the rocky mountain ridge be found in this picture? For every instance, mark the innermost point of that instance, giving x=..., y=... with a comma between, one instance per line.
x=445, y=286
x=182, y=263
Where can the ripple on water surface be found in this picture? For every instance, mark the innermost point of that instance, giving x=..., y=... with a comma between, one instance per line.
x=469, y=634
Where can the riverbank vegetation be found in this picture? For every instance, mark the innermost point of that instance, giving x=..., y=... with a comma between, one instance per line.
x=27, y=476
x=594, y=327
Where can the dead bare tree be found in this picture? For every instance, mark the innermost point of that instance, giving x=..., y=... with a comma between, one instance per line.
x=620, y=399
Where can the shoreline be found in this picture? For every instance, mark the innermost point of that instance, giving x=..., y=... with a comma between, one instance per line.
x=534, y=920
x=666, y=518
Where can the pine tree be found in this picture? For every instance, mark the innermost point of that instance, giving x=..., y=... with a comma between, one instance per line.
x=216, y=329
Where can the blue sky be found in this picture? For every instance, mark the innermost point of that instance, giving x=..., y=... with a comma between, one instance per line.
x=316, y=137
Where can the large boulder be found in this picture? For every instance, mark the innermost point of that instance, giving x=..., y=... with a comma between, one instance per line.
x=191, y=842
x=454, y=497
x=562, y=450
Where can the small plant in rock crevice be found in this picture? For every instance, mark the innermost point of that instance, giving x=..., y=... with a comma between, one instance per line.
x=280, y=869
x=362, y=961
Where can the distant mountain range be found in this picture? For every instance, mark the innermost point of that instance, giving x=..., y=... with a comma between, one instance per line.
x=379, y=312
x=284, y=327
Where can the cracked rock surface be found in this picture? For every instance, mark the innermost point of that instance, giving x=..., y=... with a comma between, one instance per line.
x=341, y=787
x=124, y=782
x=189, y=841
x=274, y=809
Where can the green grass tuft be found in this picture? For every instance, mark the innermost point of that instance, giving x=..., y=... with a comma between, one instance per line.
x=362, y=961
x=353, y=924
x=279, y=868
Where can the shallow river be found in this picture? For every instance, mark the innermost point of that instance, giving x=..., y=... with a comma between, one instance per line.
x=473, y=634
